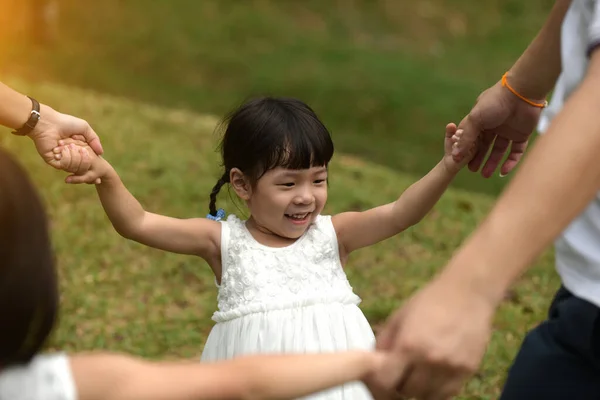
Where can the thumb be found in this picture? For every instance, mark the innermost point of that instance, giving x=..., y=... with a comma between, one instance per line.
x=93, y=140
x=475, y=137
x=86, y=134
x=88, y=177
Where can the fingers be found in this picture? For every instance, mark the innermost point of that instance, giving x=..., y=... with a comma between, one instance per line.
x=394, y=366
x=450, y=129
x=71, y=159
x=81, y=130
x=72, y=155
x=69, y=156
x=62, y=158
x=485, y=142
x=498, y=150
x=62, y=145
x=75, y=159
x=72, y=140
x=79, y=138
x=86, y=161
x=470, y=133
x=428, y=382
x=93, y=140
x=413, y=382
x=387, y=336
x=456, y=138
x=89, y=178
x=517, y=149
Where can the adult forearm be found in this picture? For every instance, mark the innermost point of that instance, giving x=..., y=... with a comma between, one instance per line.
x=536, y=71
x=556, y=182
x=14, y=107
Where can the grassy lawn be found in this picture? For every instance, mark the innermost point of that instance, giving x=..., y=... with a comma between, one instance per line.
x=121, y=296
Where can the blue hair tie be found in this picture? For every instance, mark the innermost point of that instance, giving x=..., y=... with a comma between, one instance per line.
x=220, y=215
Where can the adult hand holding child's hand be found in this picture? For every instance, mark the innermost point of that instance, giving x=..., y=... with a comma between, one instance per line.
x=75, y=156
x=502, y=121
x=438, y=340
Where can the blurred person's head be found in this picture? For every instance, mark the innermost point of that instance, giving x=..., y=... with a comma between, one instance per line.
x=28, y=282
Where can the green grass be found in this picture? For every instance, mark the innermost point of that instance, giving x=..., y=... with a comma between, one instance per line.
x=118, y=295
x=385, y=76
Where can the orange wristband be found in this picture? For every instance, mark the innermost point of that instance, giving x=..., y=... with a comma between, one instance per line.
x=526, y=100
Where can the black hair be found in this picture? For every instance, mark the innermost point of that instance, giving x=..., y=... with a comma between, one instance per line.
x=269, y=132
x=28, y=282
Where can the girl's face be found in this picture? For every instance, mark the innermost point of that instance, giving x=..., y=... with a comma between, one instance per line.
x=284, y=202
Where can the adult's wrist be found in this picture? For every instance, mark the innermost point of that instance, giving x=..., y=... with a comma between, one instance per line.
x=480, y=269
x=17, y=111
x=32, y=119
x=527, y=86
x=48, y=120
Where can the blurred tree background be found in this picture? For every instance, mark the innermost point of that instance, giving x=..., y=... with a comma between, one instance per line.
x=386, y=75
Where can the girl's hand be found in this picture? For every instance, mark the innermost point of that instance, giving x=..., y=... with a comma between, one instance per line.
x=375, y=386
x=80, y=160
x=452, y=141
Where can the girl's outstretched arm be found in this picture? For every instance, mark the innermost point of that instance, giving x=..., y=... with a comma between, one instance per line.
x=115, y=377
x=195, y=236
x=360, y=229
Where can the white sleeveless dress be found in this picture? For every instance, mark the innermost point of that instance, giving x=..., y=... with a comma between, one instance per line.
x=295, y=299
x=46, y=377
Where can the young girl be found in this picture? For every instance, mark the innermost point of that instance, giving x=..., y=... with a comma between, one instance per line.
x=29, y=306
x=282, y=287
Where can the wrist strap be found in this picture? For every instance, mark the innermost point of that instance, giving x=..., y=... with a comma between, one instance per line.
x=526, y=100
x=32, y=121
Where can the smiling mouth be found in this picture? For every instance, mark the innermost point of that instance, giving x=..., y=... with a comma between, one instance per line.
x=298, y=217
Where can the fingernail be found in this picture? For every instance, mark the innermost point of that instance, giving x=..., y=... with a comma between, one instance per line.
x=459, y=132
x=502, y=175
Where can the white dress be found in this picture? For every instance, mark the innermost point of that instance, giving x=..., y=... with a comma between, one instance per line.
x=46, y=377
x=294, y=299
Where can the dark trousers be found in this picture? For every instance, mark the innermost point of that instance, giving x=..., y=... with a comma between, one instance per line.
x=560, y=358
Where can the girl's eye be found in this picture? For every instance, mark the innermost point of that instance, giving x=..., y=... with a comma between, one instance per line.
x=287, y=184
x=318, y=181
